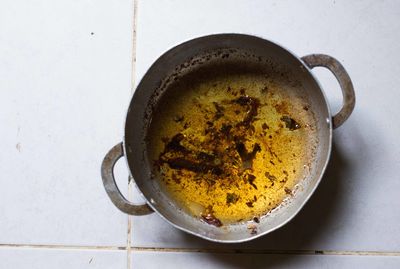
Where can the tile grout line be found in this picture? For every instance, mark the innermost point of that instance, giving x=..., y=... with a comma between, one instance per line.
x=270, y=252
x=62, y=247
x=205, y=250
x=133, y=85
x=128, y=240
x=135, y=8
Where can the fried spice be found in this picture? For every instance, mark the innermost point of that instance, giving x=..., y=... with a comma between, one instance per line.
x=219, y=154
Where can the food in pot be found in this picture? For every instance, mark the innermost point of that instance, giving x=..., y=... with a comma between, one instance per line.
x=231, y=148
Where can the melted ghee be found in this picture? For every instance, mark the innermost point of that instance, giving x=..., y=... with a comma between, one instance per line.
x=231, y=149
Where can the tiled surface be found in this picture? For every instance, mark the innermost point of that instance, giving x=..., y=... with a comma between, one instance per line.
x=171, y=260
x=355, y=206
x=65, y=76
x=55, y=258
x=65, y=83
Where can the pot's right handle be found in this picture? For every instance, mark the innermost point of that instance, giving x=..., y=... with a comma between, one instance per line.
x=349, y=98
x=107, y=174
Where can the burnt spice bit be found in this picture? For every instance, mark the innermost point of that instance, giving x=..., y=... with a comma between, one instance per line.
x=264, y=90
x=288, y=191
x=176, y=179
x=211, y=219
x=244, y=155
x=270, y=177
x=219, y=111
x=231, y=198
x=201, y=167
x=251, y=179
x=175, y=144
x=291, y=124
x=225, y=129
x=178, y=118
x=249, y=204
x=256, y=220
x=252, y=104
x=244, y=100
x=205, y=157
x=264, y=126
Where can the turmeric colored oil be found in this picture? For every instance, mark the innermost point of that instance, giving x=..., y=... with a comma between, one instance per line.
x=231, y=149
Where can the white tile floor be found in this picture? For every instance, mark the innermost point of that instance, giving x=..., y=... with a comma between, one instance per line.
x=65, y=83
x=150, y=260
x=31, y=258
x=64, y=92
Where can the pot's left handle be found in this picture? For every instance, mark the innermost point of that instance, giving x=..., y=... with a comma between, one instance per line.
x=107, y=173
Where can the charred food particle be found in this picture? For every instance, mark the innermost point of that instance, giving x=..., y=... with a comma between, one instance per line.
x=251, y=179
x=244, y=100
x=211, y=219
x=244, y=154
x=256, y=220
x=291, y=124
x=219, y=111
x=175, y=144
x=264, y=126
x=249, y=204
x=252, y=111
x=225, y=129
x=264, y=89
x=287, y=190
x=197, y=167
x=270, y=177
x=231, y=198
x=205, y=157
x=176, y=179
x=178, y=118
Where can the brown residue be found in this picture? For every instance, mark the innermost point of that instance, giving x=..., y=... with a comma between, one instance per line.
x=291, y=124
x=211, y=219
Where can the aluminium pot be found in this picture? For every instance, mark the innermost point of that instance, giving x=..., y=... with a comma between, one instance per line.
x=150, y=91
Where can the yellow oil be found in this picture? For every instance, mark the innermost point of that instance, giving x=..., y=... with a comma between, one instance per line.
x=230, y=149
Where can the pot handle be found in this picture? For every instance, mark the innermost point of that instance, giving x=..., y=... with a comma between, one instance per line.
x=107, y=174
x=344, y=80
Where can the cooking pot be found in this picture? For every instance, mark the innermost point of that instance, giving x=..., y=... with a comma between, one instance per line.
x=185, y=59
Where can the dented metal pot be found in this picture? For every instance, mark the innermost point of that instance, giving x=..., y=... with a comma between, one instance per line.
x=183, y=60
